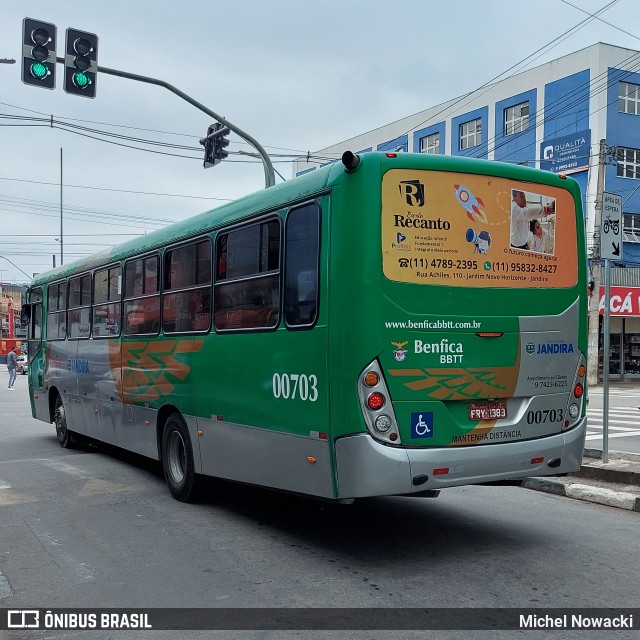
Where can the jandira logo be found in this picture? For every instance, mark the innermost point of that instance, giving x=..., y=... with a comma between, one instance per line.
x=148, y=368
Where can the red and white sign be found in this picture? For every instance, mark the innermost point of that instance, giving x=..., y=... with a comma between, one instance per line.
x=623, y=301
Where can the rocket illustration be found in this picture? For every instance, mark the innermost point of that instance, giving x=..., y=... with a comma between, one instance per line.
x=474, y=206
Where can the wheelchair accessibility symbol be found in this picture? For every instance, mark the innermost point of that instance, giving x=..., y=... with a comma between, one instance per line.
x=422, y=424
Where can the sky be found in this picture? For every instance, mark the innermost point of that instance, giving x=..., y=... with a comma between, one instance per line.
x=296, y=76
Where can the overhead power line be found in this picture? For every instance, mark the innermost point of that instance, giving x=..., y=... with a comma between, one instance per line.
x=144, y=193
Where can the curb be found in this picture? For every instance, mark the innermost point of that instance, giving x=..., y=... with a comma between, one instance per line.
x=587, y=492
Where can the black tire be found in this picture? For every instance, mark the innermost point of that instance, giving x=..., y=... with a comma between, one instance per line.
x=177, y=459
x=64, y=435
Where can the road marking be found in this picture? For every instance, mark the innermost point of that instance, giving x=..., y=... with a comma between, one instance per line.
x=94, y=486
x=58, y=465
x=79, y=571
x=9, y=498
x=598, y=436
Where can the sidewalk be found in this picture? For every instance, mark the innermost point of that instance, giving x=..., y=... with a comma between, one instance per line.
x=615, y=484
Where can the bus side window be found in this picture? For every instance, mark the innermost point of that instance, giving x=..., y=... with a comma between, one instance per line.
x=107, y=309
x=301, y=287
x=79, y=314
x=142, y=296
x=247, y=288
x=186, y=298
x=57, y=311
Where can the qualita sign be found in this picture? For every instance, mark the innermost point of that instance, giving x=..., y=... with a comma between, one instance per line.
x=567, y=154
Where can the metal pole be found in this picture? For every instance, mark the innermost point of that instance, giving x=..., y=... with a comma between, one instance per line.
x=15, y=265
x=269, y=174
x=605, y=363
x=61, y=229
x=596, y=270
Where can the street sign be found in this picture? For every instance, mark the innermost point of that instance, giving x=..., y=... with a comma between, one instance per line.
x=611, y=227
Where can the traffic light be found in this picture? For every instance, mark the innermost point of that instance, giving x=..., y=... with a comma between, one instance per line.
x=221, y=143
x=214, y=146
x=209, y=159
x=81, y=63
x=38, y=53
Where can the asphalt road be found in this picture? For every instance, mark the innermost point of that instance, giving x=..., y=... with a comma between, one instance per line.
x=98, y=528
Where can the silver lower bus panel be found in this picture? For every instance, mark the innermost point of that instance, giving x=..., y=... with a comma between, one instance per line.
x=368, y=468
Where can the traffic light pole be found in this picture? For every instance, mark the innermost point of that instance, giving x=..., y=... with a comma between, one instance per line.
x=269, y=174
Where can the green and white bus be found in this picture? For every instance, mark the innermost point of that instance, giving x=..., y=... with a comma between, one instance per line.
x=380, y=326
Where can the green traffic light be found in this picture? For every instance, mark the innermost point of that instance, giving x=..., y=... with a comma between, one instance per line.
x=39, y=70
x=81, y=80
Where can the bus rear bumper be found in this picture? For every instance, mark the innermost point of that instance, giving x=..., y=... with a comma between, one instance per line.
x=367, y=468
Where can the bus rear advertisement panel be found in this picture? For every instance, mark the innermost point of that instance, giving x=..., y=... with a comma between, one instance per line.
x=463, y=230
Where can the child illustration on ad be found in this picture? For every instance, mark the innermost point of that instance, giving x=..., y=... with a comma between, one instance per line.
x=532, y=221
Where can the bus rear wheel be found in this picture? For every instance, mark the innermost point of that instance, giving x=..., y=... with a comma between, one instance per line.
x=177, y=459
x=64, y=435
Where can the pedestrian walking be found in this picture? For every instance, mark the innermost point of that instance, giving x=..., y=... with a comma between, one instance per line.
x=12, y=365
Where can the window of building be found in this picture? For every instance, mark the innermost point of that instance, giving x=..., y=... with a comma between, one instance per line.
x=107, y=290
x=302, y=234
x=631, y=227
x=516, y=118
x=629, y=98
x=79, y=324
x=470, y=134
x=186, y=299
x=57, y=311
x=142, y=296
x=247, y=288
x=430, y=144
x=628, y=163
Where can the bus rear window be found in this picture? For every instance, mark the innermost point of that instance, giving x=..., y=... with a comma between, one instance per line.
x=470, y=230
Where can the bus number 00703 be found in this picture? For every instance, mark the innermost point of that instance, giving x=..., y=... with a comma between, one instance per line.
x=546, y=415
x=290, y=386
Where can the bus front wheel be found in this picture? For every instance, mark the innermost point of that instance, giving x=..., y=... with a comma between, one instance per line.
x=65, y=438
x=177, y=459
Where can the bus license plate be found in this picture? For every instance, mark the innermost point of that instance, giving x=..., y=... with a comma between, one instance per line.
x=488, y=411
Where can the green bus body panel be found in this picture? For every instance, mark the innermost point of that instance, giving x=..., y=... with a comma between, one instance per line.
x=223, y=379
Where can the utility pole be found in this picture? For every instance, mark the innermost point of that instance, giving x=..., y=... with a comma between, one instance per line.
x=594, y=302
x=61, y=229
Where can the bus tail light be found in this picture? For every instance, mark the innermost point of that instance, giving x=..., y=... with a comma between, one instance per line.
x=576, y=396
x=377, y=409
x=375, y=401
x=371, y=379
